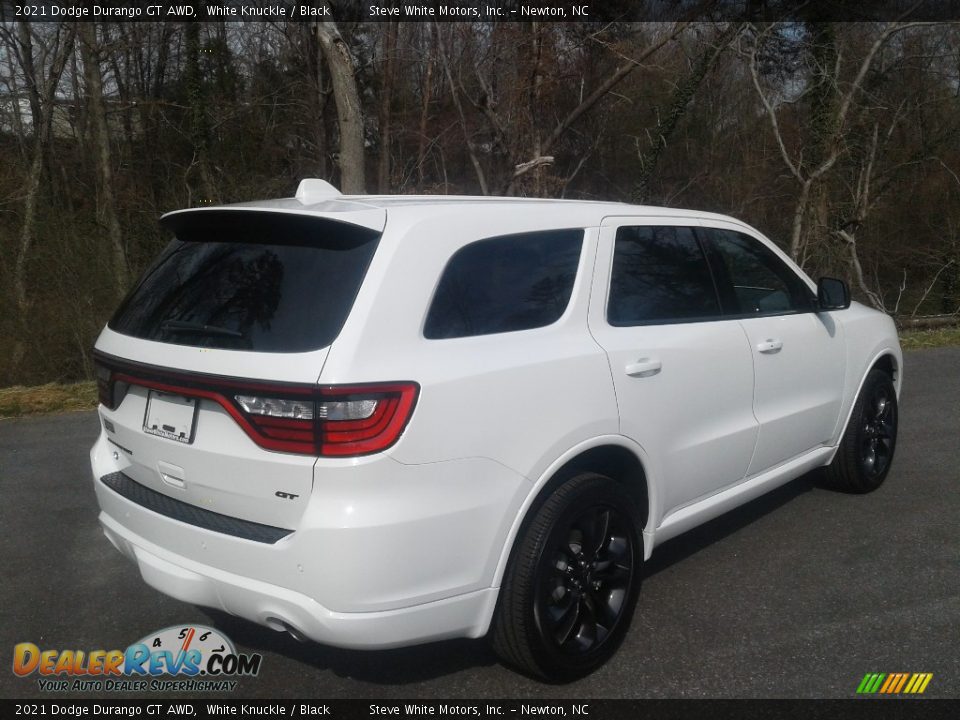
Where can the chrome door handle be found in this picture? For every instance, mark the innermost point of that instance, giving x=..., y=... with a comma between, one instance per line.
x=770, y=346
x=644, y=367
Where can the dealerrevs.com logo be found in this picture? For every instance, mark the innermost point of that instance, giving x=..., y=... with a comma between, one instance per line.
x=198, y=659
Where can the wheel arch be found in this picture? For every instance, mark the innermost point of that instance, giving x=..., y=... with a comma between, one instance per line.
x=886, y=359
x=613, y=455
x=889, y=364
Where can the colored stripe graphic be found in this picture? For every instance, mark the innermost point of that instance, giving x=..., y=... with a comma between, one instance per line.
x=894, y=683
x=892, y=679
x=899, y=685
x=871, y=683
x=862, y=687
x=918, y=683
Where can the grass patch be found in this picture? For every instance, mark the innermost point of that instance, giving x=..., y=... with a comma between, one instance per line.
x=937, y=337
x=18, y=400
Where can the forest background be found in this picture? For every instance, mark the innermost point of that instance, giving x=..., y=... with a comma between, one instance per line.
x=839, y=140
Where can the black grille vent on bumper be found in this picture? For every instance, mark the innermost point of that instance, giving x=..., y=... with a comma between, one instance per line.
x=191, y=514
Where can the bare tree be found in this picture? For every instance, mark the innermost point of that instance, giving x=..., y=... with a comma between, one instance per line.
x=833, y=127
x=42, y=77
x=199, y=122
x=386, y=111
x=682, y=95
x=458, y=103
x=853, y=131
x=349, y=111
x=89, y=51
x=426, y=94
x=628, y=65
x=42, y=74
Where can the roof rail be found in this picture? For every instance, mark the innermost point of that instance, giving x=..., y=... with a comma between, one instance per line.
x=313, y=190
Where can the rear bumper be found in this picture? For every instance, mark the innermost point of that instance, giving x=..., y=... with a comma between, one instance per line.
x=384, y=555
x=283, y=609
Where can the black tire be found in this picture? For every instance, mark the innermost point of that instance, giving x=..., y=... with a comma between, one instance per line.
x=870, y=439
x=572, y=582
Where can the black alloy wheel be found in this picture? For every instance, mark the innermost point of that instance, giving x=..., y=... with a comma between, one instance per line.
x=879, y=431
x=585, y=579
x=572, y=581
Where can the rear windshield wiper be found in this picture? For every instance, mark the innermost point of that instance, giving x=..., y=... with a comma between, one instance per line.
x=199, y=328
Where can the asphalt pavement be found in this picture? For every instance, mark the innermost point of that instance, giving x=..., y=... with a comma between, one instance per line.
x=796, y=595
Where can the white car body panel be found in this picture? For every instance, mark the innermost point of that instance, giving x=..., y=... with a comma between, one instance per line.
x=869, y=337
x=701, y=385
x=799, y=388
x=689, y=517
x=411, y=544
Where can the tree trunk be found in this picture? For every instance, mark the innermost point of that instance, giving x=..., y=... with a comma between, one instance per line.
x=386, y=93
x=30, y=74
x=455, y=96
x=318, y=99
x=536, y=82
x=683, y=93
x=199, y=130
x=101, y=153
x=31, y=190
x=41, y=141
x=349, y=111
x=424, y=114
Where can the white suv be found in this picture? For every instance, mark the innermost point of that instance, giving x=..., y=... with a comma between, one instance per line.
x=378, y=421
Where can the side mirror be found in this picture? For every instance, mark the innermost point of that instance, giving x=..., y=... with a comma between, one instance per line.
x=832, y=294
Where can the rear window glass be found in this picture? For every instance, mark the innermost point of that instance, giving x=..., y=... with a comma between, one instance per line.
x=503, y=284
x=246, y=280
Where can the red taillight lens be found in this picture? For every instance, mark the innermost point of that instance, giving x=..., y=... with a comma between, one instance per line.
x=337, y=421
x=277, y=423
x=364, y=419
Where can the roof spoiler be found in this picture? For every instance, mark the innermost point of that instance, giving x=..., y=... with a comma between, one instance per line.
x=314, y=197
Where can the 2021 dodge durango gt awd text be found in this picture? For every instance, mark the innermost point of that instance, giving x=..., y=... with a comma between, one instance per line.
x=377, y=421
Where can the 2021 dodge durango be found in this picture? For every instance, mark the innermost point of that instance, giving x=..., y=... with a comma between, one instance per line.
x=376, y=421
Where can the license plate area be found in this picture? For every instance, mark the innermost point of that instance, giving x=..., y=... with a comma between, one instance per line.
x=169, y=416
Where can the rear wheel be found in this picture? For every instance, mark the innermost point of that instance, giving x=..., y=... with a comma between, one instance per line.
x=866, y=449
x=572, y=583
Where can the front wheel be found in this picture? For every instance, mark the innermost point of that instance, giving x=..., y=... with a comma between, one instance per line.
x=572, y=582
x=866, y=449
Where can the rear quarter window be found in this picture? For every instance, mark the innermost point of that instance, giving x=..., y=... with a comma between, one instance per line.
x=247, y=280
x=504, y=284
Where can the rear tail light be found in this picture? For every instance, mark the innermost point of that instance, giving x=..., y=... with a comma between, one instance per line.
x=104, y=385
x=110, y=392
x=335, y=421
x=276, y=407
x=361, y=420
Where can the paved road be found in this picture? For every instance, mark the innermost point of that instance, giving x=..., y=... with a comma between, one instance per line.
x=796, y=595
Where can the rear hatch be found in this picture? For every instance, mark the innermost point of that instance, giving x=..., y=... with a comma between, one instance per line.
x=207, y=372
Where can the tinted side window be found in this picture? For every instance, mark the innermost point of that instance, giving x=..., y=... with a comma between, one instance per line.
x=753, y=280
x=514, y=282
x=660, y=274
